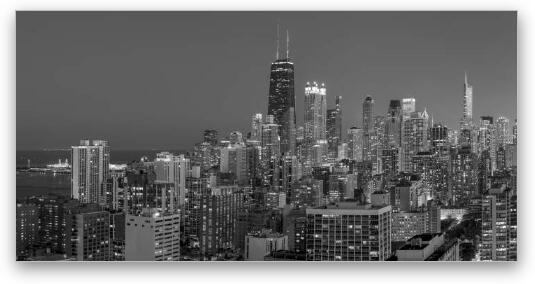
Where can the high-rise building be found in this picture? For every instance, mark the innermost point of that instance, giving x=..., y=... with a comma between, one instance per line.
x=173, y=169
x=499, y=225
x=367, y=127
x=27, y=227
x=334, y=128
x=503, y=136
x=438, y=136
x=315, y=122
x=90, y=236
x=415, y=139
x=393, y=123
x=281, y=100
x=256, y=127
x=515, y=133
x=215, y=212
x=408, y=106
x=210, y=136
x=234, y=160
x=153, y=235
x=355, y=138
x=349, y=232
x=466, y=120
x=90, y=171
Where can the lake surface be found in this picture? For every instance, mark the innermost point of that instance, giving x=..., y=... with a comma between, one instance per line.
x=31, y=183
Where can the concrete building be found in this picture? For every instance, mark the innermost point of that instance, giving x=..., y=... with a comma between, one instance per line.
x=90, y=236
x=153, y=235
x=349, y=232
x=499, y=225
x=90, y=171
x=429, y=247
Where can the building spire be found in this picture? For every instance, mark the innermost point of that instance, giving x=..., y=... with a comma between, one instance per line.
x=277, y=41
x=287, y=44
x=465, y=78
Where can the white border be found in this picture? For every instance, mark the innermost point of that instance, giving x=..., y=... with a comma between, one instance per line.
x=520, y=272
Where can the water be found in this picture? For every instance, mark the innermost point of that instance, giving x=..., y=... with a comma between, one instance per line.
x=31, y=183
x=39, y=158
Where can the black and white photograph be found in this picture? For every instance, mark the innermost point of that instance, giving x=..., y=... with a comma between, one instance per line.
x=188, y=136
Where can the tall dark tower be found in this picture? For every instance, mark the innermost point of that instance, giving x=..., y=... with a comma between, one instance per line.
x=394, y=117
x=281, y=101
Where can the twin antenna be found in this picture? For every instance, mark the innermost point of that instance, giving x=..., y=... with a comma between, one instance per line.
x=287, y=43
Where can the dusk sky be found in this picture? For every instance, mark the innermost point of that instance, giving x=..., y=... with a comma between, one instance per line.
x=145, y=80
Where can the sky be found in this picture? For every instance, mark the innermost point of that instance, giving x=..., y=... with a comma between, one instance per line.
x=156, y=80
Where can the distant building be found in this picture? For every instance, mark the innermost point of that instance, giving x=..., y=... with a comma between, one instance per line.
x=367, y=127
x=334, y=128
x=316, y=123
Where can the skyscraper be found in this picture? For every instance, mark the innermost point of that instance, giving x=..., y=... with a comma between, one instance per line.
x=415, y=131
x=315, y=122
x=210, y=136
x=408, y=106
x=466, y=121
x=90, y=170
x=173, y=169
x=393, y=123
x=367, y=126
x=502, y=132
x=256, y=127
x=334, y=128
x=355, y=136
x=281, y=101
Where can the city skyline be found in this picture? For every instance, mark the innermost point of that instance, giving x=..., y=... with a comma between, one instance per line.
x=406, y=182
x=113, y=104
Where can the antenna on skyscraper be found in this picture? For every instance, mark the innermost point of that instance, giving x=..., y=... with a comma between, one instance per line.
x=465, y=78
x=277, y=41
x=287, y=44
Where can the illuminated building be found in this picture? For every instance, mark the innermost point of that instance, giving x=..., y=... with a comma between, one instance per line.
x=367, y=127
x=281, y=100
x=27, y=227
x=415, y=139
x=466, y=120
x=315, y=123
x=408, y=106
x=172, y=169
x=499, y=225
x=216, y=211
x=348, y=232
x=503, y=136
x=90, y=236
x=334, y=128
x=355, y=138
x=90, y=171
x=438, y=136
x=256, y=127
